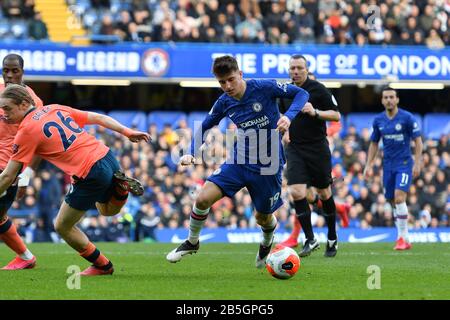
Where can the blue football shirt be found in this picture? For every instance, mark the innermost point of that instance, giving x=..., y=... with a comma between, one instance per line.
x=256, y=115
x=397, y=134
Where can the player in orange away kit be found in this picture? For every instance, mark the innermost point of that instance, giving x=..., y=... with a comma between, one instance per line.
x=55, y=133
x=12, y=73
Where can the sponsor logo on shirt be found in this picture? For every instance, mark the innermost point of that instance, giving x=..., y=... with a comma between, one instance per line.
x=15, y=148
x=396, y=137
x=259, y=122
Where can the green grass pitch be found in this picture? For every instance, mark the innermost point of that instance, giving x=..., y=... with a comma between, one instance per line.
x=226, y=271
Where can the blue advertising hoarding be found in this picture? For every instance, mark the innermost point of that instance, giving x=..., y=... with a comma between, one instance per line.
x=174, y=62
x=352, y=235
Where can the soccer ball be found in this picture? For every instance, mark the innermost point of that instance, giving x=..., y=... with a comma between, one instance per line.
x=283, y=262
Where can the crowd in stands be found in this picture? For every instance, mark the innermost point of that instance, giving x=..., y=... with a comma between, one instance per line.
x=19, y=20
x=383, y=22
x=170, y=189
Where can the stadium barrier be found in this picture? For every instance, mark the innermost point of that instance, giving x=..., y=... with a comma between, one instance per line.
x=352, y=235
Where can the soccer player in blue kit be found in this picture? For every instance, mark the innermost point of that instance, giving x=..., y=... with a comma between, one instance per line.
x=397, y=127
x=258, y=157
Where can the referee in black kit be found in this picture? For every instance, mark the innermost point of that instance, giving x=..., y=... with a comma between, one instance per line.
x=309, y=157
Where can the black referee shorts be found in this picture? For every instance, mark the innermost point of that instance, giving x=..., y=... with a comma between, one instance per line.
x=309, y=164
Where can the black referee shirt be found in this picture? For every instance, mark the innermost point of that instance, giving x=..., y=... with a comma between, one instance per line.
x=304, y=128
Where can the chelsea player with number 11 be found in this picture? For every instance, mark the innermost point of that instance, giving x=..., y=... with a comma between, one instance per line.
x=397, y=127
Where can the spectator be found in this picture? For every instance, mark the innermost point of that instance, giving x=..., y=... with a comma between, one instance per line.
x=434, y=41
x=28, y=9
x=12, y=8
x=247, y=30
x=100, y=4
x=37, y=29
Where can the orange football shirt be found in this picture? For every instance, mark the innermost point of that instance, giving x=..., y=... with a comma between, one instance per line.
x=55, y=133
x=8, y=130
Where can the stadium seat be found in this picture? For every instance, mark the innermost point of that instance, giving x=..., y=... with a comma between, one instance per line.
x=360, y=121
x=82, y=5
x=435, y=125
x=160, y=118
x=419, y=119
x=195, y=117
x=119, y=5
x=90, y=18
x=19, y=29
x=199, y=116
x=132, y=119
x=4, y=27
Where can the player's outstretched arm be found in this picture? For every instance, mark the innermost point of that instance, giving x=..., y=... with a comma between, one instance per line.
x=9, y=175
x=110, y=123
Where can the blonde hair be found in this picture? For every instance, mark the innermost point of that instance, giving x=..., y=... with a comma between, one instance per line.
x=17, y=94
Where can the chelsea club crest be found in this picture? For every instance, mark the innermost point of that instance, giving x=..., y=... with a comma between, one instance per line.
x=257, y=107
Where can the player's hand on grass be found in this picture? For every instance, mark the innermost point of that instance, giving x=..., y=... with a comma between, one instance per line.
x=309, y=109
x=187, y=160
x=283, y=124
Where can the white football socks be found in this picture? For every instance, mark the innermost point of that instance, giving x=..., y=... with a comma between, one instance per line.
x=402, y=220
x=27, y=255
x=268, y=232
x=196, y=223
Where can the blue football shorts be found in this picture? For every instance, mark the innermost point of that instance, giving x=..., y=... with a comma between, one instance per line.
x=265, y=190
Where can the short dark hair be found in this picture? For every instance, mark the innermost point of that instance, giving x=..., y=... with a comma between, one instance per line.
x=13, y=56
x=299, y=56
x=387, y=88
x=224, y=65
